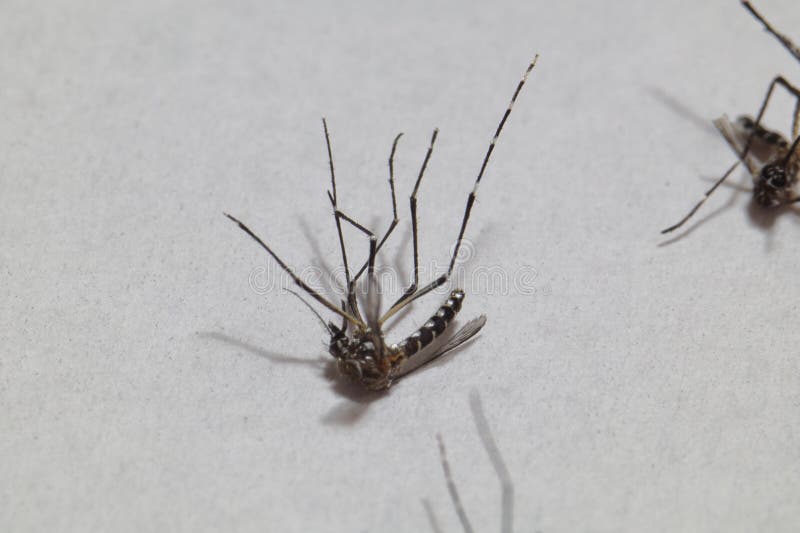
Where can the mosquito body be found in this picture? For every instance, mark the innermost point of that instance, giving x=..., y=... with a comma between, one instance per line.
x=365, y=357
x=772, y=161
x=358, y=345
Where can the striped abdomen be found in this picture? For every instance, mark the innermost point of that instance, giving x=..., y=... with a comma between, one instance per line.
x=434, y=326
x=769, y=137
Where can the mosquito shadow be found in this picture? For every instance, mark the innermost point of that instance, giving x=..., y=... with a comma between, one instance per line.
x=682, y=110
x=431, y=516
x=347, y=413
x=762, y=218
x=318, y=255
x=765, y=218
x=357, y=398
x=261, y=352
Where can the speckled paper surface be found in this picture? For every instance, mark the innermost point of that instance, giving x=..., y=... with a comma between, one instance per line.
x=152, y=379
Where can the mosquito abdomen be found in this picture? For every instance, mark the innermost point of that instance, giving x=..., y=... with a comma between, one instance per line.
x=434, y=326
x=758, y=131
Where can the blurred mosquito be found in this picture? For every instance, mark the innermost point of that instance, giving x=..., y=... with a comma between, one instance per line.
x=506, y=485
x=358, y=346
x=772, y=160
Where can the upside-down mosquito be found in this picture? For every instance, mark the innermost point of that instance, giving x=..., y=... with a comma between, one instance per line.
x=506, y=486
x=360, y=351
x=771, y=159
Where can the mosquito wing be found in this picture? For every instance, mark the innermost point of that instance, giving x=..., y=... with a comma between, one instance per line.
x=734, y=135
x=469, y=330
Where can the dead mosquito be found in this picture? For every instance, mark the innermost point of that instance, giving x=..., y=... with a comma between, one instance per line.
x=506, y=486
x=358, y=346
x=771, y=159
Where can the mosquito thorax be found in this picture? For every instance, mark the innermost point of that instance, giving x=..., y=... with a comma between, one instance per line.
x=359, y=358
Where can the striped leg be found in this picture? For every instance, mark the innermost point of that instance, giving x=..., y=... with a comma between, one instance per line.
x=785, y=41
x=743, y=155
x=303, y=285
x=395, y=220
x=408, y=298
x=339, y=216
x=412, y=201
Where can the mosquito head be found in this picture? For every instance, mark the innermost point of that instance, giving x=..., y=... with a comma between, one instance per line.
x=359, y=359
x=772, y=183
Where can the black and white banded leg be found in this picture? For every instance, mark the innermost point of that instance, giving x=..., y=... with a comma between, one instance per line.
x=470, y=201
x=744, y=154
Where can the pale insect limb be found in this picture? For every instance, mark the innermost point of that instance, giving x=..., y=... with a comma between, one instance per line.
x=470, y=201
x=785, y=41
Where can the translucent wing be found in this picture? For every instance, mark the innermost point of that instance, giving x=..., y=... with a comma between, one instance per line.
x=469, y=330
x=461, y=336
x=735, y=136
x=765, y=145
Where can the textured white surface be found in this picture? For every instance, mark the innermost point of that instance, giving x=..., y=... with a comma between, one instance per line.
x=144, y=385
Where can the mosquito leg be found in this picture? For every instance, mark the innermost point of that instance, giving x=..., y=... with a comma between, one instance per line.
x=791, y=151
x=412, y=200
x=302, y=284
x=743, y=156
x=785, y=41
x=373, y=310
x=394, y=205
x=373, y=293
x=333, y=197
x=406, y=299
x=794, y=91
x=702, y=200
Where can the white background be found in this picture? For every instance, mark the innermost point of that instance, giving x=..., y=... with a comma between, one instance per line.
x=145, y=386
